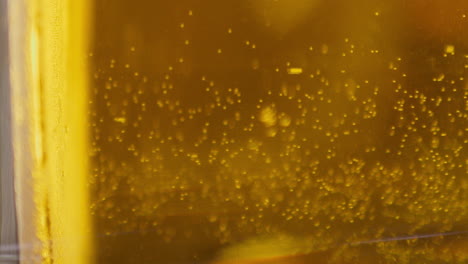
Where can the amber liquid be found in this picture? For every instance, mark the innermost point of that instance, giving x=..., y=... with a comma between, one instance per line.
x=331, y=122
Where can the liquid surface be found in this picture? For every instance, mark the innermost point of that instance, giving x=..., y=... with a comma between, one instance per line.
x=219, y=123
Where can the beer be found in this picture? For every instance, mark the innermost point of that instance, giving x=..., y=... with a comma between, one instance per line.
x=216, y=123
x=265, y=131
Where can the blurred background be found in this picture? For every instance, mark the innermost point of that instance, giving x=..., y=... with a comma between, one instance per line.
x=8, y=238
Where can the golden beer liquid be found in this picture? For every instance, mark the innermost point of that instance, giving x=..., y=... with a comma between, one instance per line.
x=302, y=126
x=269, y=131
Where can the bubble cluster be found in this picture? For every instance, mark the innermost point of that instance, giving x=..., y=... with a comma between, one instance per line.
x=201, y=133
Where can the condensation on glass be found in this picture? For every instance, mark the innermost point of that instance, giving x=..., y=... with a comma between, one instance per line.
x=43, y=132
